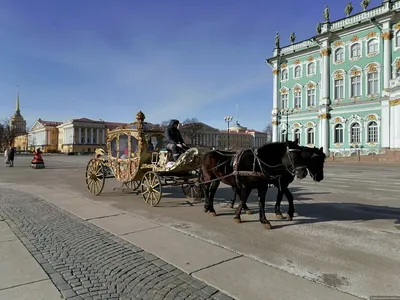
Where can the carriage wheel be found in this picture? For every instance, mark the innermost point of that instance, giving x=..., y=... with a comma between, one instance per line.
x=193, y=191
x=133, y=185
x=151, y=188
x=95, y=176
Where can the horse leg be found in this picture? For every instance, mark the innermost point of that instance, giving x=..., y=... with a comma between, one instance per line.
x=206, y=189
x=232, y=202
x=289, y=197
x=261, y=203
x=213, y=189
x=244, y=195
x=279, y=198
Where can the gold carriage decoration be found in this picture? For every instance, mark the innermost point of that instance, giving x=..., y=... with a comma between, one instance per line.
x=136, y=157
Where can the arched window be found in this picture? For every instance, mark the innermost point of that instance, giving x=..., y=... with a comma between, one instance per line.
x=297, y=72
x=297, y=98
x=339, y=55
x=355, y=51
x=372, y=131
x=355, y=81
x=311, y=69
x=283, y=135
x=284, y=75
x=296, y=134
x=355, y=133
x=338, y=135
x=372, y=46
x=310, y=136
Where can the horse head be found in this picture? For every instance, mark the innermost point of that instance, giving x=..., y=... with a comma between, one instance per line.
x=314, y=159
x=293, y=159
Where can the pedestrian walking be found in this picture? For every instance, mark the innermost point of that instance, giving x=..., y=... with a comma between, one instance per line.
x=11, y=156
x=6, y=153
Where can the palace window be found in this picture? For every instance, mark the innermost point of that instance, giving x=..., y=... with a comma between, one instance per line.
x=339, y=55
x=283, y=135
x=338, y=134
x=297, y=134
x=284, y=75
x=397, y=41
x=372, y=132
x=297, y=72
x=310, y=136
x=355, y=51
x=372, y=87
x=355, y=133
x=311, y=97
x=339, y=89
x=297, y=99
x=311, y=69
x=372, y=46
x=284, y=100
x=355, y=86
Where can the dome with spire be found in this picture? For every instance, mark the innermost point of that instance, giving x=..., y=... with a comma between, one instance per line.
x=17, y=122
x=237, y=127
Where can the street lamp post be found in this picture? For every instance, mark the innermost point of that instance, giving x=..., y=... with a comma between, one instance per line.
x=228, y=119
x=286, y=112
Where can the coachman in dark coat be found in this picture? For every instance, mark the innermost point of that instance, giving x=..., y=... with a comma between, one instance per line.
x=173, y=139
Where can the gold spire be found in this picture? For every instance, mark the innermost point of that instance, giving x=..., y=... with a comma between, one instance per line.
x=17, y=110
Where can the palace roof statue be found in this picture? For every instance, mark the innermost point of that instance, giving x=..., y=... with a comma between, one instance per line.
x=364, y=4
x=292, y=37
x=348, y=9
x=277, y=39
x=326, y=13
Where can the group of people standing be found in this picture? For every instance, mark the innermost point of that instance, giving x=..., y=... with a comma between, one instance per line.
x=9, y=155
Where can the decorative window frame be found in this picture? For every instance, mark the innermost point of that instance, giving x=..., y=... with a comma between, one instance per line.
x=282, y=128
x=355, y=119
x=369, y=40
x=284, y=91
x=298, y=66
x=395, y=67
x=351, y=48
x=308, y=66
x=297, y=126
x=338, y=62
x=355, y=71
x=338, y=120
x=307, y=126
x=297, y=88
x=311, y=85
x=284, y=71
x=371, y=68
x=338, y=74
x=395, y=34
x=373, y=117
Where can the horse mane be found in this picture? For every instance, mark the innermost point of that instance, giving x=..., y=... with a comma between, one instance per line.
x=274, y=150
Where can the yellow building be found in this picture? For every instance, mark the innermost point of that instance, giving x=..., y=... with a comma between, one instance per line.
x=44, y=135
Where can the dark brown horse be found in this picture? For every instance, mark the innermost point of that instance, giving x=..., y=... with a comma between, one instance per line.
x=314, y=159
x=247, y=170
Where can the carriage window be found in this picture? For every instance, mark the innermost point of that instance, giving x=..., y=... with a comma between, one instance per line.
x=114, y=151
x=123, y=146
x=134, y=145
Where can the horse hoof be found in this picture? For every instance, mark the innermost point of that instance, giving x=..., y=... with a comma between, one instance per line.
x=249, y=212
x=237, y=220
x=213, y=214
x=279, y=216
x=289, y=218
x=267, y=225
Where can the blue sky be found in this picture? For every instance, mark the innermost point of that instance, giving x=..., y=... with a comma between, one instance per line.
x=104, y=59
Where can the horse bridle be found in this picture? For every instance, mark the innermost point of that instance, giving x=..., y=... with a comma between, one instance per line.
x=295, y=168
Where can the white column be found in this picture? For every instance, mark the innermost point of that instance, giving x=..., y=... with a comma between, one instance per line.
x=325, y=98
x=103, y=136
x=385, y=124
x=79, y=135
x=97, y=136
x=275, y=102
x=86, y=132
x=387, y=55
x=91, y=135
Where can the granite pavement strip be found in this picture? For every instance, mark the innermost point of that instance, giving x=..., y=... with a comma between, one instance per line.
x=86, y=262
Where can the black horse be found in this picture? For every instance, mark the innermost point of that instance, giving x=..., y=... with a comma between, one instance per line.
x=314, y=159
x=247, y=170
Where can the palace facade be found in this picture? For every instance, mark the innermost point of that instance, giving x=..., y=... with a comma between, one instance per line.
x=340, y=89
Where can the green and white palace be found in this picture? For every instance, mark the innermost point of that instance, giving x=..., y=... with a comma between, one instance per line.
x=340, y=90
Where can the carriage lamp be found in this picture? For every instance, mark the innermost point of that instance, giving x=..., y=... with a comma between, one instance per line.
x=228, y=119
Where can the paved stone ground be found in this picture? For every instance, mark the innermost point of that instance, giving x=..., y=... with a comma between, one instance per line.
x=86, y=262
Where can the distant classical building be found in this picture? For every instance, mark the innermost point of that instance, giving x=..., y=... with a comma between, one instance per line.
x=44, y=135
x=338, y=89
x=200, y=134
x=18, y=128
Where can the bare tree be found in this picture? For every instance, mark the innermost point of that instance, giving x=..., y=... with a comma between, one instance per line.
x=190, y=129
x=164, y=124
x=268, y=131
x=7, y=134
x=2, y=146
